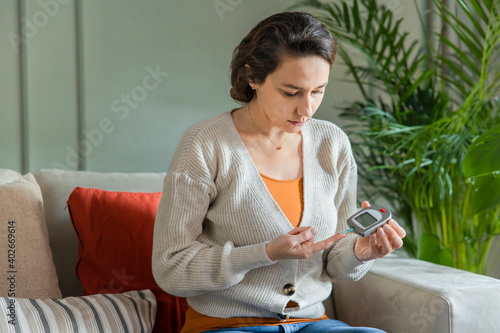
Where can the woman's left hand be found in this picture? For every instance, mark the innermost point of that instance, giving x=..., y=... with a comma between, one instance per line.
x=379, y=244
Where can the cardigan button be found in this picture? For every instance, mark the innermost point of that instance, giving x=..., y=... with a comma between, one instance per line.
x=289, y=289
x=283, y=317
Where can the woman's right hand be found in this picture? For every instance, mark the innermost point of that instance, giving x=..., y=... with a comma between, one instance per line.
x=299, y=244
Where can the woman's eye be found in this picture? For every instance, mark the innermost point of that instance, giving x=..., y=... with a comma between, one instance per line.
x=316, y=92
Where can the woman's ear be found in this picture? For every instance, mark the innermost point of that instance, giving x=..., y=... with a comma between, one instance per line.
x=248, y=72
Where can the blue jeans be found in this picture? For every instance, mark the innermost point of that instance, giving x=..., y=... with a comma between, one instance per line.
x=321, y=326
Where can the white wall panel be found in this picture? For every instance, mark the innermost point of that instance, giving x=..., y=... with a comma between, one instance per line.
x=10, y=98
x=51, y=82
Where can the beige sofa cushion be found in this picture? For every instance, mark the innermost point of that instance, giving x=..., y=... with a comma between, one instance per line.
x=26, y=263
x=7, y=176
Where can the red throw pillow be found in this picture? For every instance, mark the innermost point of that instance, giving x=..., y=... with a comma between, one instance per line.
x=115, y=232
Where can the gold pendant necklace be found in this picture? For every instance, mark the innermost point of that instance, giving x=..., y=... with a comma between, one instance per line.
x=279, y=147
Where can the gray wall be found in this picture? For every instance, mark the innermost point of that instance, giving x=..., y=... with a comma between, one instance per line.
x=79, y=75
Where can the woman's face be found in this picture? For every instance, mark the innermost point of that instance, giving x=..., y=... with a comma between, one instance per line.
x=291, y=94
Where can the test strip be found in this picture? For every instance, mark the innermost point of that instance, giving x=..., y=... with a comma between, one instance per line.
x=345, y=232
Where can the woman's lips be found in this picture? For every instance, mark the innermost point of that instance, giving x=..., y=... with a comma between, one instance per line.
x=297, y=123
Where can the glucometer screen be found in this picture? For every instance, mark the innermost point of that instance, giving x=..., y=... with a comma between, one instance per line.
x=366, y=219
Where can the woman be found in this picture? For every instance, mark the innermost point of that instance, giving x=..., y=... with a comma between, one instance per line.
x=254, y=202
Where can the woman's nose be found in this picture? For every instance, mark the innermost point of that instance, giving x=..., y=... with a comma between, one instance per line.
x=306, y=107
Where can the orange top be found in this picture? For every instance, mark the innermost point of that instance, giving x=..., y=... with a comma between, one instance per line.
x=288, y=196
x=197, y=322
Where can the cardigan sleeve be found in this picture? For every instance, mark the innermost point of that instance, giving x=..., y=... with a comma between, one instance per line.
x=184, y=263
x=341, y=262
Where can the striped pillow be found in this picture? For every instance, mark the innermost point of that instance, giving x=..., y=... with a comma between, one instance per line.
x=132, y=311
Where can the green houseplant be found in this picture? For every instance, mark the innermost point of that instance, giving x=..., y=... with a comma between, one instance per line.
x=417, y=129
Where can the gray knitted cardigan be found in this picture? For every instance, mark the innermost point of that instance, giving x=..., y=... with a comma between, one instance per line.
x=216, y=216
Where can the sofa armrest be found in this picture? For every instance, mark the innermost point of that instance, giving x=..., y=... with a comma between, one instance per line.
x=410, y=295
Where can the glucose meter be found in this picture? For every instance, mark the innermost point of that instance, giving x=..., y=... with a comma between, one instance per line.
x=366, y=221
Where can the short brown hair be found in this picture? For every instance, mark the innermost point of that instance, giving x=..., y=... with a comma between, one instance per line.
x=289, y=33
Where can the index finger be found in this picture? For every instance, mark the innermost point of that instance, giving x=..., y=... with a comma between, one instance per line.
x=326, y=243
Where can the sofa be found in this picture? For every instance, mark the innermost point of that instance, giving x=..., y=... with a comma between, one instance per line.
x=86, y=220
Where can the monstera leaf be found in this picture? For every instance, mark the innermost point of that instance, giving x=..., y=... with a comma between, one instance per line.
x=481, y=166
x=429, y=249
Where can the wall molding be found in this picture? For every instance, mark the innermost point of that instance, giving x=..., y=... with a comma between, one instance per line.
x=80, y=84
x=23, y=91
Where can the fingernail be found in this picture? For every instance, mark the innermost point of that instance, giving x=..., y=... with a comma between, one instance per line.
x=314, y=231
x=386, y=227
